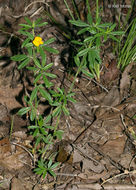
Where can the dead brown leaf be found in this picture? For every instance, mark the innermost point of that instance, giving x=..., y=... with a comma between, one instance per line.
x=17, y=184
x=114, y=148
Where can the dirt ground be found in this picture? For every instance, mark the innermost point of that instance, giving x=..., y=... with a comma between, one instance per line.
x=98, y=146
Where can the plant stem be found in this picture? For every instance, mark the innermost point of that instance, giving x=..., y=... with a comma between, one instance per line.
x=88, y=7
x=97, y=9
x=58, y=118
x=78, y=71
x=75, y=7
x=69, y=10
x=11, y=128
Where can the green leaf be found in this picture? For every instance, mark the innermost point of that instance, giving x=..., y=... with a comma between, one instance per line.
x=28, y=21
x=49, y=127
x=47, y=83
x=43, y=55
x=117, y=33
x=30, y=35
x=98, y=21
x=30, y=51
x=25, y=26
x=61, y=90
x=50, y=163
x=47, y=139
x=58, y=134
x=38, y=20
x=70, y=94
x=20, y=57
x=77, y=60
x=33, y=127
x=52, y=173
x=77, y=42
x=24, y=63
x=36, y=132
x=23, y=111
x=22, y=32
x=99, y=35
x=37, y=63
x=112, y=27
x=48, y=66
x=51, y=50
x=65, y=110
x=38, y=140
x=83, y=52
x=104, y=25
x=51, y=75
x=43, y=131
x=47, y=119
x=88, y=74
x=93, y=56
x=42, y=24
x=55, y=104
x=97, y=70
x=98, y=42
x=49, y=41
x=134, y=117
x=88, y=39
x=32, y=68
x=56, y=111
x=44, y=174
x=114, y=38
x=45, y=94
x=78, y=23
x=32, y=114
x=89, y=18
x=38, y=171
x=38, y=77
x=33, y=94
x=83, y=30
x=92, y=30
x=29, y=45
x=26, y=41
x=72, y=100
x=56, y=164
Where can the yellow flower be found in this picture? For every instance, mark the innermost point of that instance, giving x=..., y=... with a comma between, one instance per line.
x=37, y=41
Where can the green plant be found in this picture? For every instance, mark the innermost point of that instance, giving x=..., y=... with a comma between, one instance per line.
x=46, y=167
x=40, y=127
x=128, y=50
x=94, y=34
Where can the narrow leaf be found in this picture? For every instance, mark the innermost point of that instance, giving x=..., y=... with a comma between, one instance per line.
x=24, y=63
x=37, y=63
x=42, y=24
x=23, y=111
x=48, y=66
x=83, y=31
x=25, y=42
x=51, y=50
x=83, y=52
x=45, y=94
x=25, y=26
x=49, y=41
x=56, y=111
x=79, y=23
x=43, y=55
x=77, y=42
x=51, y=75
x=28, y=21
x=37, y=78
x=33, y=94
x=88, y=74
x=20, y=57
